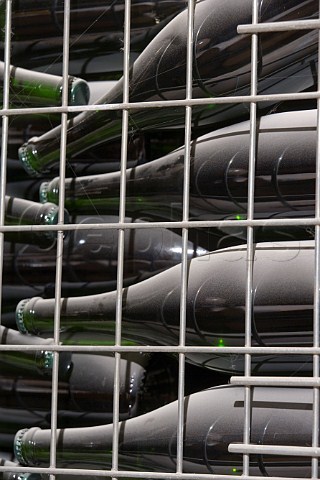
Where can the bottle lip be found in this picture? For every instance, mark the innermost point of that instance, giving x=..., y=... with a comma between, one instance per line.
x=18, y=439
x=45, y=361
x=20, y=316
x=43, y=192
x=79, y=92
x=27, y=157
x=50, y=217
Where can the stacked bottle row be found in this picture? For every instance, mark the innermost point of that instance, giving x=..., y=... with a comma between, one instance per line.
x=150, y=282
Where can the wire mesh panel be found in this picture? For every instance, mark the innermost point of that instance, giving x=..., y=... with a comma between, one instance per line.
x=159, y=239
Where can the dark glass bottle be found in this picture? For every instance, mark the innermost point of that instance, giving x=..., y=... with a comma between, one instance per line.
x=91, y=255
x=284, y=176
x=214, y=418
x=95, y=28
x=147, y=381
x=19, y=211
x=88, y=387
x=86, y=382
x=31, y=88
x=44, y=18
x=85, y=392
x=215, y=316
x=221, y=66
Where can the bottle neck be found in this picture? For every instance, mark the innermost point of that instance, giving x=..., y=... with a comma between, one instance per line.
x=25, y=212
x=37, y=362
x=39, y=154
x=31, y=88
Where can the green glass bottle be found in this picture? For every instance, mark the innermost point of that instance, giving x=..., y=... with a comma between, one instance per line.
x=25, y=212
x=215, y=308
x=37, y=89
x=221, y=66
x=214, y=418
x=284, y=175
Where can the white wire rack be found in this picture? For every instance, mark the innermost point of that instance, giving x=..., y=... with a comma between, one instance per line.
x=250, y=223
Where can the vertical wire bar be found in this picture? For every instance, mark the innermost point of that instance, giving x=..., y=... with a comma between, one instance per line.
x=4, y=133
x=122, y=212
x=250, y=237
x=185, y=217
x=316, y=313
x=60, y=236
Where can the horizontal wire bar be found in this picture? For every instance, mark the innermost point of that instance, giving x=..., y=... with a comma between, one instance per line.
x=174, y=224
x=252, y=28
x=274, y=450
x=165, y=349
x=165, y=103
x=276, y=381
x=134, y=474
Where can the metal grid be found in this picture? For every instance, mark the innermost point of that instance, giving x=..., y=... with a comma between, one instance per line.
x=250, y=223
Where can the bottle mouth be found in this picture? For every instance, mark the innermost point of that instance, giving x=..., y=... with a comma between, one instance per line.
x=51, y=216
x=18, y=446
x=20, y=316
x=45, y=361
x=28, y=158
x=43, y=192
x=79, y=92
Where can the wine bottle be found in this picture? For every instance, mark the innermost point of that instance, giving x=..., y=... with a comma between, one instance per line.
x=86, y=381
x=91, y=255
x=284, y=175
x=19, y=211
x=31, y=88
x=7, y=475
x=221, y=65
x=34, y=21
x=87, y=390
x=215, y=316
x=213, y=419
x=95, y=27
x=146, y=382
